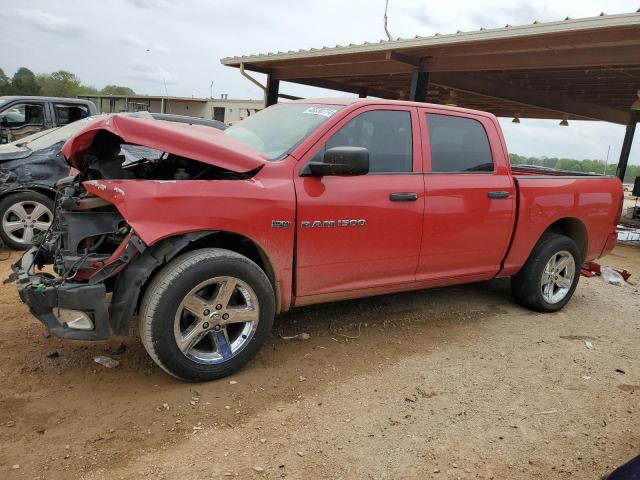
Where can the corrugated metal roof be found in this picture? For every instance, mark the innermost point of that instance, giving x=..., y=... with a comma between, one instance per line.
x=506, y=32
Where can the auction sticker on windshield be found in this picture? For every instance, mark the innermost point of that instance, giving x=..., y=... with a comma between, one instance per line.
x=324, y=111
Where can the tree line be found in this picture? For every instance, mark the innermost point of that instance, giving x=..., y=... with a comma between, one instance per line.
x=572, y=165
x=57, y=84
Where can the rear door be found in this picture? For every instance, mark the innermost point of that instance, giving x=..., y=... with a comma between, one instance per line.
x=364, y=231
x=470, y=196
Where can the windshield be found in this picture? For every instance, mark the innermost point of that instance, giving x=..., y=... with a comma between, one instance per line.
x=274, y=131
x=47, y=138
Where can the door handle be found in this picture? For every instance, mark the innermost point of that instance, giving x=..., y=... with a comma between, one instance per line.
x=497, y=195
x=403, y=197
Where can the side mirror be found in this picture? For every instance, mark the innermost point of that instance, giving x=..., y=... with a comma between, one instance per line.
x=347, y=161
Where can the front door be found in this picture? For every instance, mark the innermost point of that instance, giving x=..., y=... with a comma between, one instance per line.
x=470, y=198
x=20, y=120
x=364, y=231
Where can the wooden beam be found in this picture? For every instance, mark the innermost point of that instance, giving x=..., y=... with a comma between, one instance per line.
x=514, y=93
x=394, y=56
x=341, y=70
x=344, y=87
x=561, y=58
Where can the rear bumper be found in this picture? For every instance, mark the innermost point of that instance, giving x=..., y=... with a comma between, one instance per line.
x=42, y=295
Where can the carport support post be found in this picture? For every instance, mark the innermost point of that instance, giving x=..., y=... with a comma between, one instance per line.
x=626, y=145
x=419, y=84
x=271, y=95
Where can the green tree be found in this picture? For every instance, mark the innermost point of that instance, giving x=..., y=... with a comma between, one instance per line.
x=117, y=90
x=59, y=84
x=5, y=83
x=24, y=83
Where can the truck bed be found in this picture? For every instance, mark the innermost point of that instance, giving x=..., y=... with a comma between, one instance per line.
x=580, y=202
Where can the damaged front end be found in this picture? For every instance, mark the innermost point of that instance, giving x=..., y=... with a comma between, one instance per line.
x=83, y=278
x=88, y=244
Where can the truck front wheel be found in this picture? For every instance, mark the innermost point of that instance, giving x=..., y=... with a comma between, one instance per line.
x=550, y=275
x=206, y=314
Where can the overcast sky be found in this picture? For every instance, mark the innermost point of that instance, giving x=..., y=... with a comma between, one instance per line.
x=145, y=43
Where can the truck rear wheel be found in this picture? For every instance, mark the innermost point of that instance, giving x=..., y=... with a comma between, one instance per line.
x=206, y=314
x=550, y=276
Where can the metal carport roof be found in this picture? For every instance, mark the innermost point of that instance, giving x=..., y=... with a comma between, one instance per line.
x=575, y=68
x=586, y=69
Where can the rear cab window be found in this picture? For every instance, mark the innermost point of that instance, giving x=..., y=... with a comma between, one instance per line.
x=458, y=145
x=69, y=113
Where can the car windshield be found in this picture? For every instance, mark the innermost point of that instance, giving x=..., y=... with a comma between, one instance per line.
x=274, y=131
x=47, y=138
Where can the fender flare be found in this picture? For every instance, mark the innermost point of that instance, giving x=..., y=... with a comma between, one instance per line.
x=135, y=275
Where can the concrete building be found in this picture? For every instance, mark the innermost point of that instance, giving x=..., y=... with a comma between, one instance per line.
x=222, y=109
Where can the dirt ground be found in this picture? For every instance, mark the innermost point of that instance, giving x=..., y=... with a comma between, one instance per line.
x=448, y=383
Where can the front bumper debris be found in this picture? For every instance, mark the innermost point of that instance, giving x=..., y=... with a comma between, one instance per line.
x=43, y=295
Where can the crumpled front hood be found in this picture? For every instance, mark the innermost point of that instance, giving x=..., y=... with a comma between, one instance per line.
x=195, y=142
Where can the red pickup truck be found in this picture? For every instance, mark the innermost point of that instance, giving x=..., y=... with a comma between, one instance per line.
x=312, y=201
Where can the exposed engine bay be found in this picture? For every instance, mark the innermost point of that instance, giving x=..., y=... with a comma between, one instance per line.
x=110, y=158
x=87, y=230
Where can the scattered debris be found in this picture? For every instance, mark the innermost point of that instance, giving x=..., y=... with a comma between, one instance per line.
x=588, y=344
x=165, y=406
x=547, y=412
x=232, y=382
x=586, y=377
x=53, y=354
x=300, y=454
x=619, y=370
x=16, y=466
x=258, y=469
x=612, y=276
x=10, y=423
x=300, y=336
x=106, y=361
x=591, y=269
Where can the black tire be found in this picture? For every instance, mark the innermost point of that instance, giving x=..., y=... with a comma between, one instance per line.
x=526, y=285
x=174, y=284
x=8, y=203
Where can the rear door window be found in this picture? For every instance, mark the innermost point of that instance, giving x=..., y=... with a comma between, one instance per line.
x=66, y=114
x=458, y=145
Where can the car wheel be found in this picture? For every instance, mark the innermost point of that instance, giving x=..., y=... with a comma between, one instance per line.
x=550, y=276
x=206, y=314
x=24, y=216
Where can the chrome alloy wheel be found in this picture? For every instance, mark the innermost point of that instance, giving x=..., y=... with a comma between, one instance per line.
x=23, y=220
x=557, y=276
x=216, y=320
